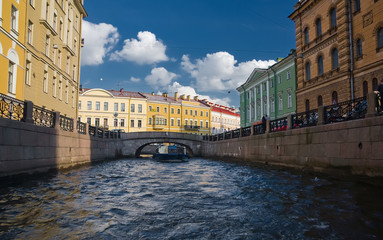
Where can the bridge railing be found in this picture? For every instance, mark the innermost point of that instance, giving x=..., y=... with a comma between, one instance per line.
x=25, y=111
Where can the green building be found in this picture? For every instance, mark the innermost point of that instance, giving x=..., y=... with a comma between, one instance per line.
x=269, y=92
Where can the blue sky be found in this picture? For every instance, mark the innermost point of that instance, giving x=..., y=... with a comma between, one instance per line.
x=195, y=47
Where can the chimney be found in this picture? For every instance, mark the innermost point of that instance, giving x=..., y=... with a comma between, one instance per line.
x=195, y=98
x=153, y=93
x=121, y=90
x=176, y=96
x=80, y=87
x=188, y=98
x=183, y=97
x=165, y=94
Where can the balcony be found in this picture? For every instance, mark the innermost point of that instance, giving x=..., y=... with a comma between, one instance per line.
x=192, y=128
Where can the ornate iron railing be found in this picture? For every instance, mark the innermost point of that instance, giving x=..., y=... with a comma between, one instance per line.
x=106, y=133
x=92, y=131
x=246, y=131
x=348, y=110
x=100, y=133
x=81, y=127
x=11, y=108
x=259, y=129
x=66, y=123
x=43, y=117
x=278, y=125
x=228, y=135
x=305, y=119
x=236, y=133
x=220, y=137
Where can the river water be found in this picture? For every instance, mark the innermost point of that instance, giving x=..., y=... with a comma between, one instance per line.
x=199, y=199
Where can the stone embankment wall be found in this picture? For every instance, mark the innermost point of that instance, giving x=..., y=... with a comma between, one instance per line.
x=27, y=148
x=354, y=147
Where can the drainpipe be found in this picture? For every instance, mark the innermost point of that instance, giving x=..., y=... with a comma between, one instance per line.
x=275, y=92
x=351, y=50
x=244, y=103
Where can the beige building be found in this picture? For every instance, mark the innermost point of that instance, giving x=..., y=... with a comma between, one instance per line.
x=223, y=118
x=339, y=50
x=112, y=109
x=53, y=47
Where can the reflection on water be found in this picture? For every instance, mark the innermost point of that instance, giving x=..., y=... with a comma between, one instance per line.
x=199, y=199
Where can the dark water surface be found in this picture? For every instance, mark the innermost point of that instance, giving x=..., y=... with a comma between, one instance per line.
x=200, y=199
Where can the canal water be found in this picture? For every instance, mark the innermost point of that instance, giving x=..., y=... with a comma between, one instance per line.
x=199, y=199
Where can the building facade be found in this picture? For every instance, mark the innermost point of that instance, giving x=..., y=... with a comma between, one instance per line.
x=269, y=92
x=136, y=111
x=223, y=118
x=12, y=47
x=113, y=109
x=339, y=48
x=53, y=49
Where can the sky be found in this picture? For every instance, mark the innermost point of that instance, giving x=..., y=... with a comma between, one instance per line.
x=204, y=48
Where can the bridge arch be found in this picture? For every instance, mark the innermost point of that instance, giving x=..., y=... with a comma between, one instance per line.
x=188, y=149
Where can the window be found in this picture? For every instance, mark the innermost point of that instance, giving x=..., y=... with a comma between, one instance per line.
x=105, y=106
x=28, y=73
x=186, y=112
x=66, y=93
x=122, y=122
x=11, y=78
x=150, y=108
x=318, y=24
x=201, y=123
x=47, y=43
x=14, y=16
x=280, y=102
x=307, y=105
x=59, y=58
x=178, y=111
x=334, y=56
x=206, y=124
x=61, y=90
x=54, y=87
x=140, y=108
x=333, y=17
x=79, y=105
x=105, y=122
x=139, y=123
x=165, y=110
x=365, y=88
x=279, y=79
x=289, y=100
x=150, y=121
x=375, y=84
x=75, y=44
x=132, y=108
x=271, y=82
x=74, y=72
x=359, y=49
x=178, y=122
x=320, y=101
x=76, y=22
x=61, y=29
x=122, y=107
x=172, y=122
x=98, y=106
x=320, y=65
x=308, y=71
x=115, y=107
x=380, y=38
x=356, y=5
x=201, y=113
x=55, y=22
x=158, y=109
x=97, y=122
x=131, y=123
x=272, y=104
x=115, y=122
x=89, y=105
x=334, y=97
x=186, y=122
x=288, y=75
x=306, y=34
x=172, y=110
x=45, y=82
x=89, y=121
x=30, y=31
x=207, y=114
x=67, y=64
x=47, y=12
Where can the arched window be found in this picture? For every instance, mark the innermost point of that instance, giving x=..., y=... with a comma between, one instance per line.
x=335, y=60
x=365, y=88
x=334, y=97
x=308, y=71
x=333, y=17
x=380, y=38
x=374, y=84
x=306, y=34
x=320, y=101
x=318, y=24
x=359, y=49
x=307, y=105
x=320, y=65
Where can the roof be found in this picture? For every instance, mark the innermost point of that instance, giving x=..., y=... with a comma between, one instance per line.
x=224, y=111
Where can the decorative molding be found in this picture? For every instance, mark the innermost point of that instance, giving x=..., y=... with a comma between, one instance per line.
x=367, y=19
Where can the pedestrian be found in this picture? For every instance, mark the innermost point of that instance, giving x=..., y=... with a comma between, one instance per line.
x=380, y=90
x=264, y=123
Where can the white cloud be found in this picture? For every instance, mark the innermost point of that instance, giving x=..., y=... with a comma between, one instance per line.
x=134, y=79
x=187, y=90
x=99, y=40
x=144, y=50
x=220, y=71
x=160, y=77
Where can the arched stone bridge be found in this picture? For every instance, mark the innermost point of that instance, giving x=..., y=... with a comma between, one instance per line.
x=133, y=143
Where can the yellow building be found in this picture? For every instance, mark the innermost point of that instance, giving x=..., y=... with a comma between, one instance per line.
x=112, y=109
x=12, y=47
x=177, y=114
x=53, y=46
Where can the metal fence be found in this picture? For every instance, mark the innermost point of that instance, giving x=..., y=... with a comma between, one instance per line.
x=66, y=123
x=279, y=124
x=305, y=119
x=345, y=111
x=43, y=117
x=259, y=129
x=11, y=108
